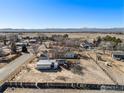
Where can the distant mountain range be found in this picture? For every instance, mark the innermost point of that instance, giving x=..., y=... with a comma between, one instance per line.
x=65, y=30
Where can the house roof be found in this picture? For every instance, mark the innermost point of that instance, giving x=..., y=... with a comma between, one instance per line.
x=45, y=62
x=118, y=53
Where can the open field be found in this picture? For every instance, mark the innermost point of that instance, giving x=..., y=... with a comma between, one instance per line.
x=77, y=35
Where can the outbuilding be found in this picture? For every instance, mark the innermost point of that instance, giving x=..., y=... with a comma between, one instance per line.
x=70, y=55
x=118, y=55
x=47, y=65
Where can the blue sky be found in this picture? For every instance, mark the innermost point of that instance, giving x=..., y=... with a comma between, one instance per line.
x=61, y=13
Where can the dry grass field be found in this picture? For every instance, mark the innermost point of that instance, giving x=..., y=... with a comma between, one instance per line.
x=77, y=35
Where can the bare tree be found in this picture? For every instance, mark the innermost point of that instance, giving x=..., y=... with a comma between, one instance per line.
x=13, y=47
x=35, y=49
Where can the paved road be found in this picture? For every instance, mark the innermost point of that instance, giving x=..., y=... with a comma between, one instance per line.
x=26, y=90
x=10, y=68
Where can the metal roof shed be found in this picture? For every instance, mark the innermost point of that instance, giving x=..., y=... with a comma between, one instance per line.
x=118, y=55
x=47, y=64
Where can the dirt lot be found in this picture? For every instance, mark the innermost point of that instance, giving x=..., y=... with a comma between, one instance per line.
x=115, y=69
x=90, y=73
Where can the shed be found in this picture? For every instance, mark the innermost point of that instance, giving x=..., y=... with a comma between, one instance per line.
x=47, y=64
x=86, y=45
x=70, y=55
x=118, y=55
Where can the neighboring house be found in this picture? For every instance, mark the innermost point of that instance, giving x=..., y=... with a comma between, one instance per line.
x=70, y=55
x=21, y=44
x=60, y=53
x=86, y=45
x=47, y=65
x=32, y=41
x=118, y=55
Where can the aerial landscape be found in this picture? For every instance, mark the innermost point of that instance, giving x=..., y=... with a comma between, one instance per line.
x=67, y=46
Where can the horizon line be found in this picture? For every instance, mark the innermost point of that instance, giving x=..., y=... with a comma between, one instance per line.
x=69, y=28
